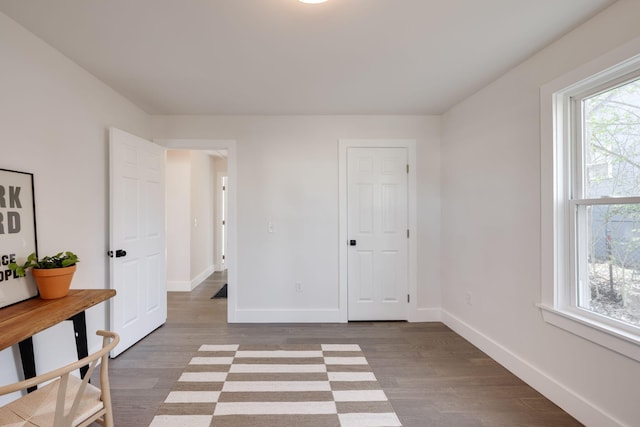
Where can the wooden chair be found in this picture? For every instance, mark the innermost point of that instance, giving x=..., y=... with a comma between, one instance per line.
x=68, y=401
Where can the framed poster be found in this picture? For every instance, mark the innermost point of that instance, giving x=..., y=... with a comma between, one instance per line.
x=17, y=234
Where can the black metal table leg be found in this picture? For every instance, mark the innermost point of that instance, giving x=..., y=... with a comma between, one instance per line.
x=28, y=360
x=27, y=356
x=80, y=329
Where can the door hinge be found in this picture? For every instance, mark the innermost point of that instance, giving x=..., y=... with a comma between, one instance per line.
x=408, y=233
x=224, y=222
x=408, y=298
x=407, y=168
x=224, y=188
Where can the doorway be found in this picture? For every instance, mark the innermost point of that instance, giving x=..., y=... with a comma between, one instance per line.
x=230, y=228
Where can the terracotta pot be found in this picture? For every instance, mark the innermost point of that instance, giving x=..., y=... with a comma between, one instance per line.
x=54, y=282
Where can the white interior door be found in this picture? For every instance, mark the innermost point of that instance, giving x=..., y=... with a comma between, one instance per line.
x=137, y=237
x=377, y=224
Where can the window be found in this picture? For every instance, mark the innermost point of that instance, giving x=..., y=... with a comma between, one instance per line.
x=605, y=207
x=591, y=202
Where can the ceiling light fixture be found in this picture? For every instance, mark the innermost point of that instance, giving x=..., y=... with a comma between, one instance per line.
x=312, y=1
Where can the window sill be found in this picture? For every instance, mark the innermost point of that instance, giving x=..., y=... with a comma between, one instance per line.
x=611, y=338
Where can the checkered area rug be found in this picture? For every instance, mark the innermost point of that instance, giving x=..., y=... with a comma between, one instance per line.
x=320, y=385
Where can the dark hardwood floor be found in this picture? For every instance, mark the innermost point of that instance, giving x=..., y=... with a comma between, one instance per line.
x=432, y=376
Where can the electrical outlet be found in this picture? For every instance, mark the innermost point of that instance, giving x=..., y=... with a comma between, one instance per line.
x=298, y=286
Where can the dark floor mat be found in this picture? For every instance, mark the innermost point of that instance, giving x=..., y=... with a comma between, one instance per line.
x=222, y=293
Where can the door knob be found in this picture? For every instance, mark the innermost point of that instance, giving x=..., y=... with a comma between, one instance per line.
x=352, y=242
x=119, y=253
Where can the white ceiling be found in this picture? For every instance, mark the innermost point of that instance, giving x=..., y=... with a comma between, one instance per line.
x=285, y=57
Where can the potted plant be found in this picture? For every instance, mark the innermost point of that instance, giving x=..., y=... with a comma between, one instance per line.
x=52, y=274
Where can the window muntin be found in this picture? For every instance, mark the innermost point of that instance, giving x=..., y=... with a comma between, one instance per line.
x=605, y=204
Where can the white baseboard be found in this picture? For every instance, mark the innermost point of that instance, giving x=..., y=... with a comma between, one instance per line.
x=202, y=277
x=287, y=316
x=188, y=286
x=318, y=316
x=426, y=315
x=178, y=286
x=570, y=401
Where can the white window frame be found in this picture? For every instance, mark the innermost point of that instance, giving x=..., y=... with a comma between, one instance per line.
x=558, y=273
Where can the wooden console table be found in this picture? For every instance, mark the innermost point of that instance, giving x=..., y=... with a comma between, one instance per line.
x=20, y=321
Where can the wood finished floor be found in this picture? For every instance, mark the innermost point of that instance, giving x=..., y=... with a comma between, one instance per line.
x=431, y=375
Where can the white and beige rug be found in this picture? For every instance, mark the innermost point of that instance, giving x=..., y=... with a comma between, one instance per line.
x=320, y=385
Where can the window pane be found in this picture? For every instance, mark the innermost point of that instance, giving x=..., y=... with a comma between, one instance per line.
x=611, y=134
x=612, y=262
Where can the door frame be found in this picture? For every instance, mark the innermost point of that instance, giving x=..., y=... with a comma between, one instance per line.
x=343, y=146
x=232, y=231
x=221, y=215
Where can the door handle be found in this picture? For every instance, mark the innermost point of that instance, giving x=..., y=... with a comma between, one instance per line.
x=352, y=242
x=119, y=253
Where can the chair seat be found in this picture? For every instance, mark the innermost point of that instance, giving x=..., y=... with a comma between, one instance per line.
x=38, y=408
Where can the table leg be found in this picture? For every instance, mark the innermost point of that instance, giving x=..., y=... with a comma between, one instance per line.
x=80, y=329
x=28, y=360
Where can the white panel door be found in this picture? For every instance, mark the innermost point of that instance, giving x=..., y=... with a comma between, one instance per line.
x=377, y=228
x=137, y=237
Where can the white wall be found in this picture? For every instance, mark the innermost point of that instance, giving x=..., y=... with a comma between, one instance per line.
x=178, y=179
x=288, y=174
x=54, y=119
x=202, y=181
x=190, y=238
x=491, y=232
